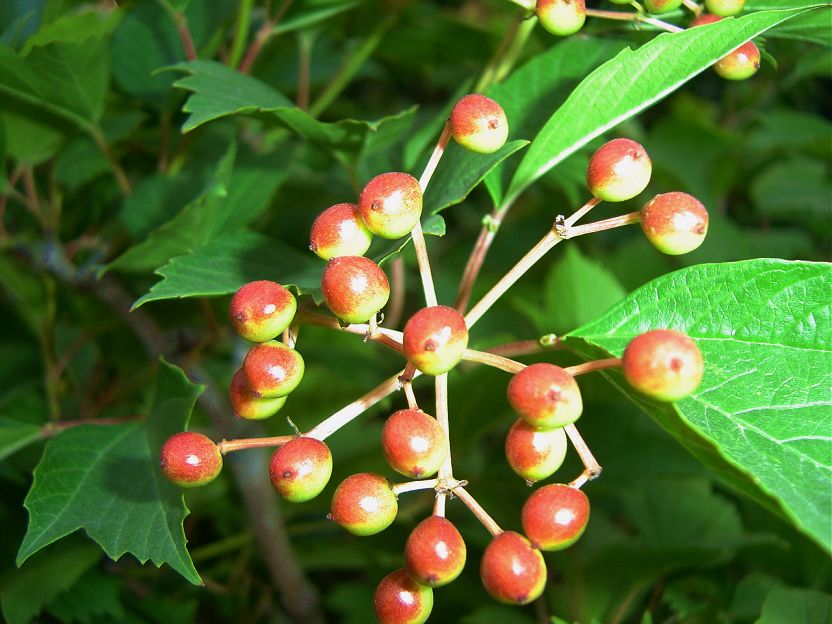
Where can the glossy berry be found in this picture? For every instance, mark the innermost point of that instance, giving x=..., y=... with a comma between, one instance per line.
x=561, y=17
x=401, y=600
x=391, y=204
x=512, y=570
x=675, y=223
x=355, y=288
x=414, y=443
x=663, y=364
x=435, y=339
x=740, y=64
x=364, y=504
x=261, y=310
x=190, y=459
x=662, y=6
x=479, y=124
x=246, y=404
x=555, y=516
x=434, y=553
x=618, y=170
x=704, y=19
x=300, y=469
x=535, y=454
x=724, y=8
x=272, y=369
x=545, y=396
x=339, y=231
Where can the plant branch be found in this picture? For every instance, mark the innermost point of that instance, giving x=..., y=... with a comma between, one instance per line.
x=238, y=45
x=229, y=446
x=487, y=521
x=446, y=469
x=605, y=224
x=397, y=292
x=264, y=33
x=493, y=360
x=594, y=365
x=592, y=469
x=118, y=172
x=414, y=486
x=181, y=22
x=633, y=17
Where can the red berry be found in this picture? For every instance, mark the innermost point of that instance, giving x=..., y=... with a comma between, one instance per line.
x=555, y=516
x=618, y=170
x=339, y=231
x=355, y=288
x=663, y=364
x=190, y=459
x=704, y=19
x=272, y=369
x=300, y=469
x=434, y=553
x=401, y=600
x=414, y=443
x=512, y=570
x=435, y=339
x=561, y=17
x=261, y=310
x=364, y=504
x=246, y=404
x=724, y=7
x=391, y=204
x=545, y=396
x=535, y=454
x=675, y=223
x=740, y=64
x=479, y=124
x=662, y=6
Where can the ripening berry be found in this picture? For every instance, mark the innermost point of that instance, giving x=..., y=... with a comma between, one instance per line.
x=355, y=288
x=618, y=170
x=479, y=124
x=435, y=339
x=300, y=469
x=261, y=310
x=561, y=17
x=391, y=204
x=675, y=223
x=272, y=369
x=435, y=553
x=339, y=231
x=704, y=19
x=401, y=600
x=740, y=64
x=545, y=396
x=512, y=570
x=364, y=504
x=246, y=404
x=661, y=6
x=724, y=8
x=555, y=516
x=535, y=454
x=190, y=459
x=663, y=364
x=414, y=443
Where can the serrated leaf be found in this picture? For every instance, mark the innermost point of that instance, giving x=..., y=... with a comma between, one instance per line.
x=75, y=28
x=14, y=435
x=812, y=27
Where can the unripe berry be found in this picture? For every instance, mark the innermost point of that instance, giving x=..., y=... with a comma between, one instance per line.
x=535, y=454
x=705, y=18
x=391, y=204
x=272, y=369
x=414, y=443
x=401, y=600
x=675, y=223
x=545, y=396
x=300, y=469
x=261, y=310
x=663, y=364
x=339, y=231
x=512, y=570
x=555, y=516
x=618, y=170
x=190, y=459
x=740, y=64
x=435, y=339
x=435, y=552
x=246, y=404
x=479, y=124
x=561, y=17
x=355, y=288
x=662, y=6
x=724, y=8
x=364, y=504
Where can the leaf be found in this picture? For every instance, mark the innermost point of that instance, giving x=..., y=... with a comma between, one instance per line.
x=106, y=480
x=312, y=12
x=796, y=606
x=761, y=417
x=74, y=28
x=94, y=598
x=796, y=190
x=14, y=435
x=813, y=27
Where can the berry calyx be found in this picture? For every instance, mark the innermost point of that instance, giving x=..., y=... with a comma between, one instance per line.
x=190, y=459
x=561, y=17
x=300, y=469
x=545, y=396
x=619, y=170
x=724, y=8
x=435, y=553
x=740, y=64
x=512, y=570
x=435, y=339
x=272, y=369
x=555, y=516
x=246, y=404
x=391, y=204
x=413, y=443
x=399, y=599
x=663, y=364
x=355, y=288
x=479, y=124
x=339, y=231
x=661, y=6
x=261, y=310
x=675, y=223
x=364, y=504
x=535, y=454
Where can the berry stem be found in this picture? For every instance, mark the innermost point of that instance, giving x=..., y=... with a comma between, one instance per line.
x=435, y=157
x=633, y=17
x=595, y=365
x=413, y=486
x=229, y=446
x=605, y=224
x=693, y=6
x=592, y=469
x=491, y=223
x=481, y=514
x=446, y=469
x=520, y=347
x=388, y=337
x=494, y=360
x=407, y=385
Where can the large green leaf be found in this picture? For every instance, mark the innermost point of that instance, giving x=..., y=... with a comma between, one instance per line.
x=763, y=415
x=106, y=480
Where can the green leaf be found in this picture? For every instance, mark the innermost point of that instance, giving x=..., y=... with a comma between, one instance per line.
x=796, y=190
x=75, y=28
x=761, y=417
x=813, y=27
x=106, y=480
x=94, y=598
x=312, y=12
x=796, y=606
x=14, y=435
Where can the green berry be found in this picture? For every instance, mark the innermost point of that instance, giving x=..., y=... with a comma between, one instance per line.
x=512, y=570
x=355, y=288
x=479, y=124
x=261, y=310
x=391, y=204
x=190, y=459
x=555, y=516
x=545, y=396
x=300, y=469
x=246, y=404
x=740, y=64
x=272, y=369
x=618, y=170
x=724, y=8
x=561, y=17
x=535, y=454
x=435, y=339
x=675, y=223
x=399, y=599
x=339, y=231
x=661, y=6
x=364, y=504
x=663, y=364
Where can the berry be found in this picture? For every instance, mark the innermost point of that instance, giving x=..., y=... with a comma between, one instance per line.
x=724, y=8
x=414, y=443
x=545, y=396
x=190, y=459
x=401, y=600
x=435, y=339
x=704, y=19
x=512, y=570
x=300, y=469
x=391, y=204
x=555, y=516
x=434, y=553
x=561, y=17
x=355, y=288
x=479, y=124
x=675, y=223
x=260, y=310
x=339, y=231
x=618, y=170
x=740, y=64
x=246, y=404
x=663, y=364
x=272, y=369
x=662, y=6
x=364, y=504
x=535, y=454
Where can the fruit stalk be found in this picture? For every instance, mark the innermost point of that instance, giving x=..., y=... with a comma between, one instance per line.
x=481, y=514
x=229, y=446
x=414, y=486
x=446, y=469
x=633, y=17
x=592, y=469
x=604, y=224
